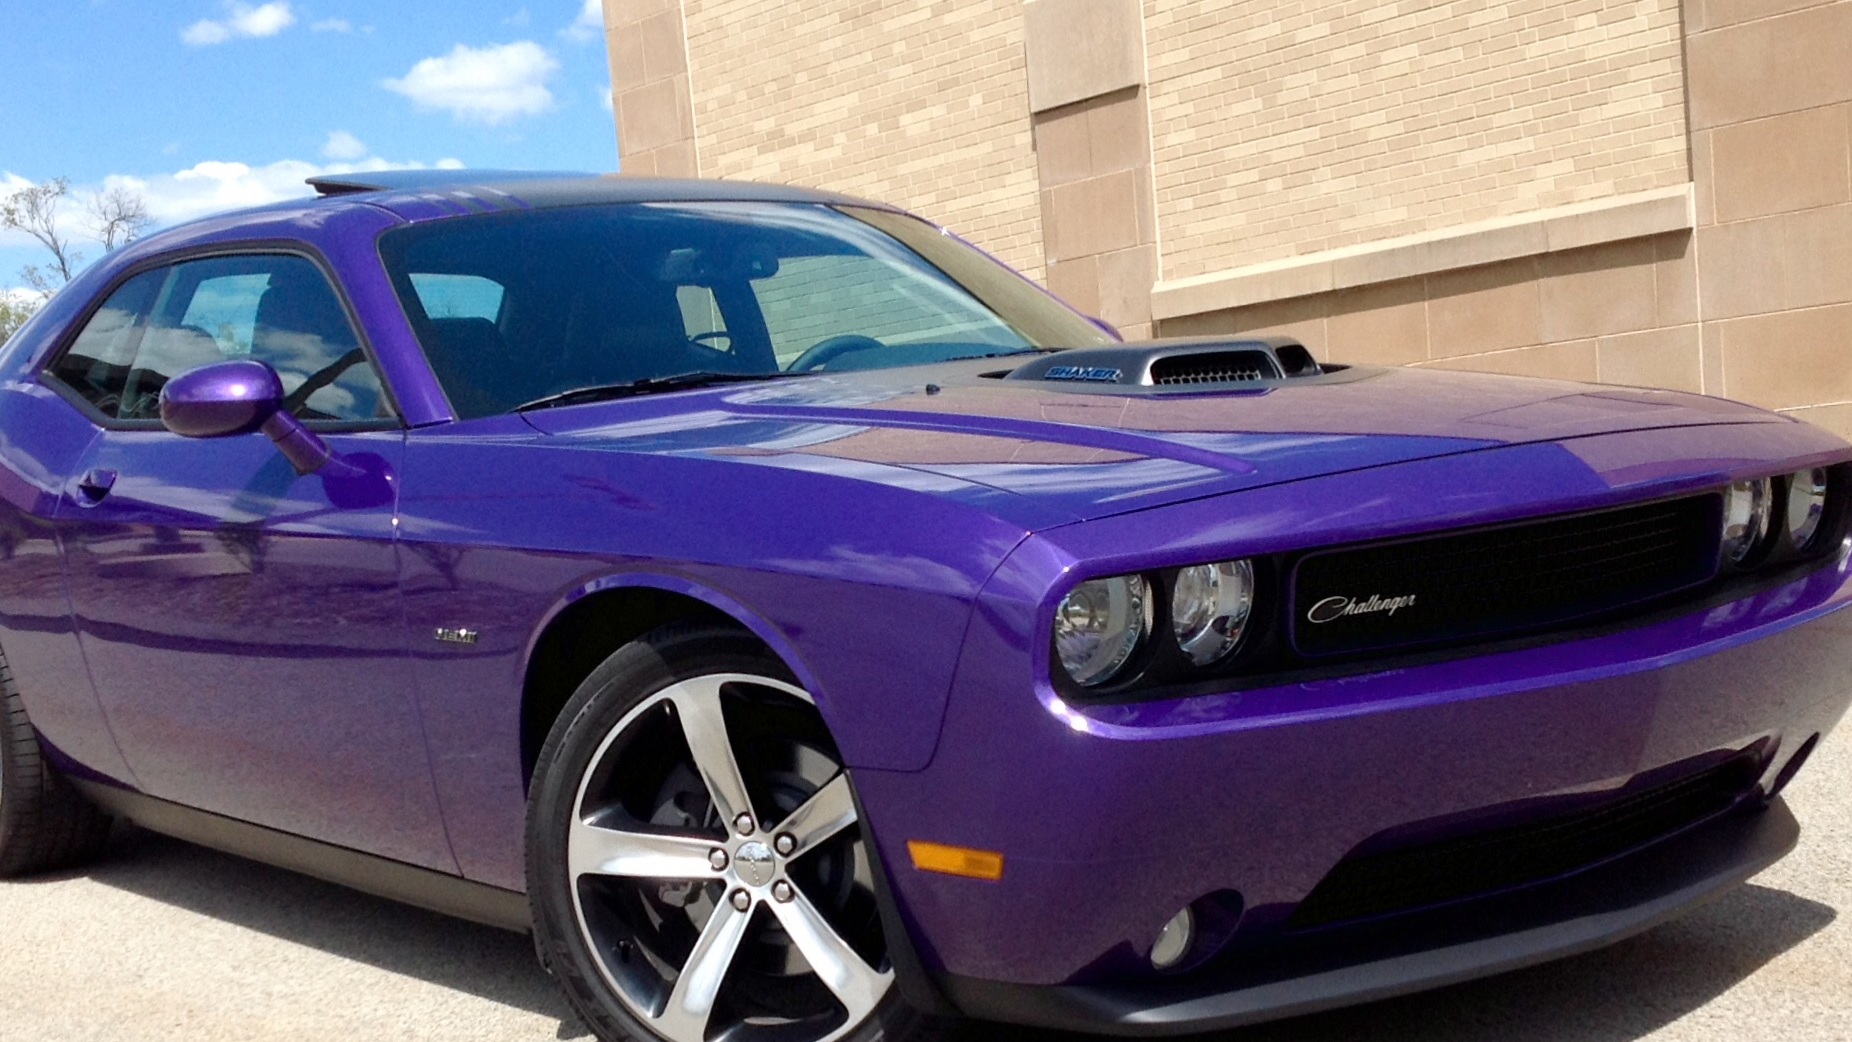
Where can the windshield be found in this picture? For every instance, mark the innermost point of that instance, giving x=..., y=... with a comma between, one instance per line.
x=514, y=308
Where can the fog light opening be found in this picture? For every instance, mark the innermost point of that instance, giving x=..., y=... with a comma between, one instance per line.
x=1174, y=941
x=1793, y=766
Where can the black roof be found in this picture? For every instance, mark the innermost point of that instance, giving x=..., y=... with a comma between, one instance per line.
x=401, y=189
x=413, y=180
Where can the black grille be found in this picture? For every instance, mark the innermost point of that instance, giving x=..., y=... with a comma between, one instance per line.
x=1509, y=579
x=1214, y=367
x=1397, y=880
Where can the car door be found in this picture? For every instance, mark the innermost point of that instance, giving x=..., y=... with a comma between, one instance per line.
x=243, y=624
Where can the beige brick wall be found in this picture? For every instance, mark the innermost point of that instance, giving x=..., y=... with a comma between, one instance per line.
x=1755, y=305
x=920, y=104
x=1281, y=129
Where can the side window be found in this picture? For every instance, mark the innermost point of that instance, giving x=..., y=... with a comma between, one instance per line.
x=701, y=318
x=459, y=296
x=96, y=365
x=273, y=308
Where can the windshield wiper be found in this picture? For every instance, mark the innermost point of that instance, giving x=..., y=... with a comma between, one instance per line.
x=648, y=385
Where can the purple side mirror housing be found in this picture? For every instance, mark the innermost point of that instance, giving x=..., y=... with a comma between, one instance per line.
x=238, y=397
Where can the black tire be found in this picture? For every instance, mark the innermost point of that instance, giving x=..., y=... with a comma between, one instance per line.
x=574, y=763
x=44, y=824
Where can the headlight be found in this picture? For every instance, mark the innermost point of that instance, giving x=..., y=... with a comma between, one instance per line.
x=1806, y=506
x=1745, y=519
x=1209, y=609
x=1100, y=625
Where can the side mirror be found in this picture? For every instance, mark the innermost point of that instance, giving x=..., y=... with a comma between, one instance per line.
x=238, y=397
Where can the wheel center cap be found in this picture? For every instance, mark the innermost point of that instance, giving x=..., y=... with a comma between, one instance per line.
x=754, y=864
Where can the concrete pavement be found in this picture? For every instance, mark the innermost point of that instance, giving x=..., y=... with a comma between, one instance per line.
x=165, y=942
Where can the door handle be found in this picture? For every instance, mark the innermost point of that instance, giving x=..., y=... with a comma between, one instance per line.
x=96, y=485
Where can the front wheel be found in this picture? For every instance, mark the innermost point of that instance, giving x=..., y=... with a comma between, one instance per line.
x=695, y=862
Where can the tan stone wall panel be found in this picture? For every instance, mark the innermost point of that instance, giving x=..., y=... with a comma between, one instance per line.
x=1575, y=360
x=1775, y=65
x=1485, y=309
x=920, y=104
x=1822, y=239
x=1789, y=359
x=1589, y=293
x=1286, y=129
x=1080, y=49
x=1789, y=162
x=1671, y=358
x=1385, y=324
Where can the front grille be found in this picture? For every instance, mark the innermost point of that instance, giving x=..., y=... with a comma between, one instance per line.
x=1215, y=367
x=1364, y=886
x=1509, y=579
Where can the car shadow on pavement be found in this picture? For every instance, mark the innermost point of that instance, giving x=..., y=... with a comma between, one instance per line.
x=1617, y=994
x=492, y=964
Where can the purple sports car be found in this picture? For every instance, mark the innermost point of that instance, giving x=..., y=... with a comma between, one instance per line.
x=811, y=630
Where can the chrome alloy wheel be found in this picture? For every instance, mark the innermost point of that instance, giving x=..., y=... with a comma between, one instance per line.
x=706, y=918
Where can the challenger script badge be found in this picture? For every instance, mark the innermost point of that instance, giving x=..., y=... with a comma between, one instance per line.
x=1338, y=607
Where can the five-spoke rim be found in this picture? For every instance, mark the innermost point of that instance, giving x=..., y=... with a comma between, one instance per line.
x=753, y=865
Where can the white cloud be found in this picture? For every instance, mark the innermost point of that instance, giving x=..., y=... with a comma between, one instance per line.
x=205, y=33
x=344, y=147
x=519, y=19
x=242, y=20
x=606, y=97
x=488, y=85
x=215, y=186
x=590, y=23
x=332, y=25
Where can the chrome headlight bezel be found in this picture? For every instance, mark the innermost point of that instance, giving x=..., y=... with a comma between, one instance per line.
x=1804, y=512
x=1211, y=606
x=1748, y=509
x=1123, y=604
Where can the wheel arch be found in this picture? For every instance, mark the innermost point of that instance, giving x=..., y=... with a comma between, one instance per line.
x=598, y=618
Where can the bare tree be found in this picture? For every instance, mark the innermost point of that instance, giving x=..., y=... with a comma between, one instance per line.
x=34, y=211
x=118, y=216
x=13, y=314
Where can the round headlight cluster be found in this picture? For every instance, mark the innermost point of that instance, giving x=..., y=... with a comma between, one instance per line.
x=1100, y=625
x=1209, y=609
x=1746, y=506
x=1806, y=507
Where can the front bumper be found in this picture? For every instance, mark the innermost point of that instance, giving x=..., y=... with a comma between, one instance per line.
x=1583, y=912
x=1112, y=818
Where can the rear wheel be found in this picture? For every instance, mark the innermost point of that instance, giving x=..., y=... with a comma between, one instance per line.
x=695, y=862
x=44, y=823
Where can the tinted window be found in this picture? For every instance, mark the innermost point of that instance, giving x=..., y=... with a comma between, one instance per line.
x=277, y=309
x=459, y=296
x=612, y=294
x=97, y=364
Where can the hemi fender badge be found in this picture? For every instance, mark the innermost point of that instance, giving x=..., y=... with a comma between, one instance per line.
x=447, y=635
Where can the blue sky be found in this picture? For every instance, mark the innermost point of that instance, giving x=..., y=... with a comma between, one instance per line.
x=206, y=105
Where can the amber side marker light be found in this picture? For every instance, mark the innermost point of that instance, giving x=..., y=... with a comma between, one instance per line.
x=956, y=861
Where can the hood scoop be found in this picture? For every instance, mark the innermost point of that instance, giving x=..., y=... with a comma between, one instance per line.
x=1175, y=364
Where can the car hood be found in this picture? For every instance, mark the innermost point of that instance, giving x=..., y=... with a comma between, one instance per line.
x=1074, y=453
